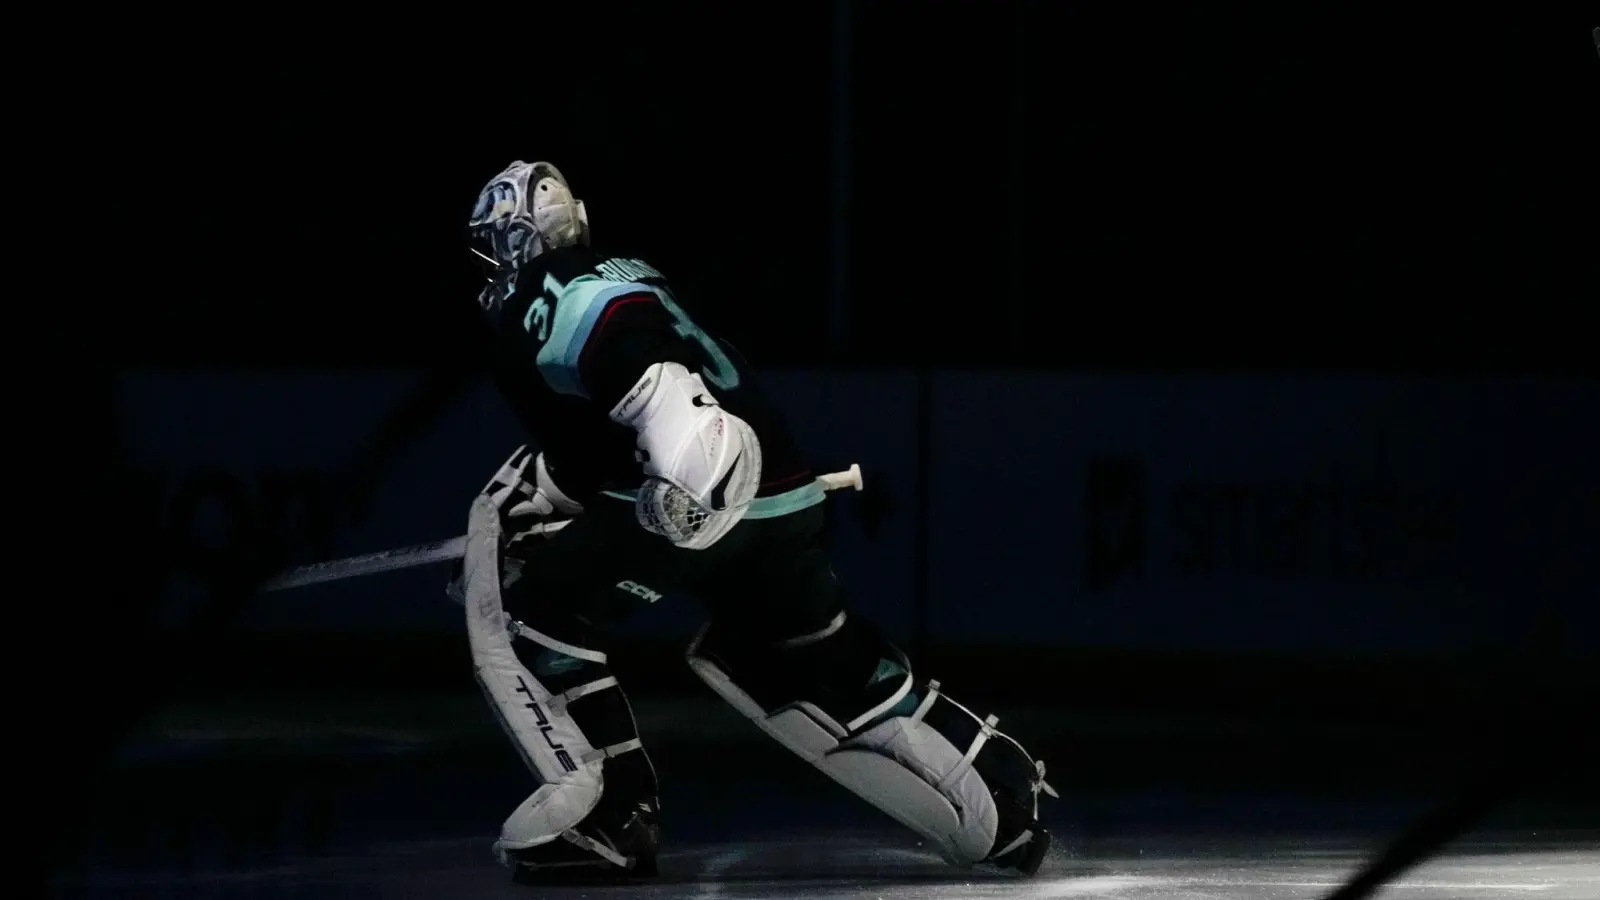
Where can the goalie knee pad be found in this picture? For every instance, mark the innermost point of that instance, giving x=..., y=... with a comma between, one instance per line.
x=539, y=689
x=844, y=699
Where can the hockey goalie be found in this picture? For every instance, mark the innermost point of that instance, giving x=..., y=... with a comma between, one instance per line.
x=672, y=473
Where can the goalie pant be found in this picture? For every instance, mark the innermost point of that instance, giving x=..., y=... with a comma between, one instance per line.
x=819, y=680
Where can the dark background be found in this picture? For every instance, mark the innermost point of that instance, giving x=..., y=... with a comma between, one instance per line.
x=1019, y=187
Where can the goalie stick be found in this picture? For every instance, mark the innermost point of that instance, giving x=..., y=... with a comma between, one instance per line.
x=449, y=549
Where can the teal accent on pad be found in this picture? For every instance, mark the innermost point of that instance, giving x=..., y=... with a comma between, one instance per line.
x=764, y=507
x=549, y=662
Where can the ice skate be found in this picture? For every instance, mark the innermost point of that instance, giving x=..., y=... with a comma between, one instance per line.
x=610, y=844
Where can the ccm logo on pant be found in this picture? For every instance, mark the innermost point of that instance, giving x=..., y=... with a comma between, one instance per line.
x=638, y=590
x=544, y=727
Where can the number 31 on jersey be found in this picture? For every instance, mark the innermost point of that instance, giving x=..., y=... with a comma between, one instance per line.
x=537, y=321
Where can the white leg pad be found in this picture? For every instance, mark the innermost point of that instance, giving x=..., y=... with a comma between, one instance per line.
x=548, y=739
x=902, y=766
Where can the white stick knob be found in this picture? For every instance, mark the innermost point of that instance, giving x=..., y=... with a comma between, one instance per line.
x=836, y=480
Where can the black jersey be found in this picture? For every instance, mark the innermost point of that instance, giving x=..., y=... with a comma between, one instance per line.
x=576, y=332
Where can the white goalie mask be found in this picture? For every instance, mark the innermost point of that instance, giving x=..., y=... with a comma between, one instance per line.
x=522, y=212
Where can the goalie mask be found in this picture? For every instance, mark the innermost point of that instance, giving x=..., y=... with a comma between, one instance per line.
x=522, y=212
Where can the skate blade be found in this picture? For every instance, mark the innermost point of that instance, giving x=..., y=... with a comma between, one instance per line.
x=598, y=872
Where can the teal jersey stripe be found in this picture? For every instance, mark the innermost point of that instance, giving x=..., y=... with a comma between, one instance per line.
x=803, y=497
x=577, y=312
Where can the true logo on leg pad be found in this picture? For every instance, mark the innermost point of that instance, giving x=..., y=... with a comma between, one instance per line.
x=562, y=756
